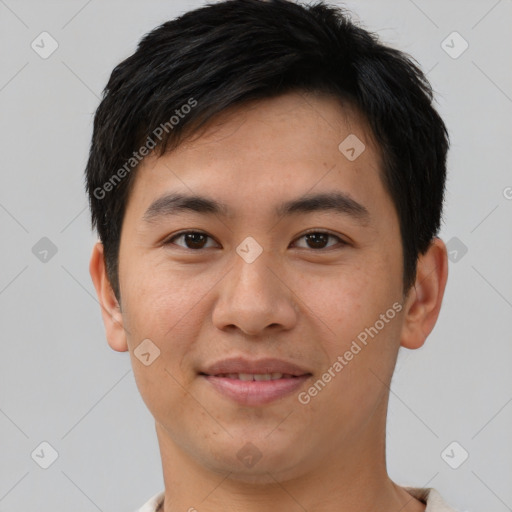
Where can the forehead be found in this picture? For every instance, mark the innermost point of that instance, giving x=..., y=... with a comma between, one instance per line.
x=283, y=147
x=299, y=122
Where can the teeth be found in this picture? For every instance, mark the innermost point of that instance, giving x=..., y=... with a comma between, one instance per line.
x=265, y=376
x=255, y=376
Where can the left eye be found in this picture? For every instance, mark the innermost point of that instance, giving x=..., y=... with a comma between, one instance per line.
x=319, y=239
x=197, y=240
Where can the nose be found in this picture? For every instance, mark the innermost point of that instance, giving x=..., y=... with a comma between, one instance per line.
x=254, y=299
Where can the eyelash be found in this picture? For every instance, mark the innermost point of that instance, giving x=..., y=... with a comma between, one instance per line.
x=169, y=241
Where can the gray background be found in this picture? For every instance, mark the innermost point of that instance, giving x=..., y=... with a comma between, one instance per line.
x=61, y=383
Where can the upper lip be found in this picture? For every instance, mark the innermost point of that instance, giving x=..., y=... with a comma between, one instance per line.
x=259, y=366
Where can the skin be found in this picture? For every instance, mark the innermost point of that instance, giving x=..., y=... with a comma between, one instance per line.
x=294, y=302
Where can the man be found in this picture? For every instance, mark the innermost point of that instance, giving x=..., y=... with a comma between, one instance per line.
x=267, y=181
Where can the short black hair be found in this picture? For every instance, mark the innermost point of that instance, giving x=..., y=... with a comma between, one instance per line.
x=228, y=53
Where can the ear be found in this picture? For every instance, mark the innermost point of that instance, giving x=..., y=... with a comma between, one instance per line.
x=423, y=301
x=110, y=308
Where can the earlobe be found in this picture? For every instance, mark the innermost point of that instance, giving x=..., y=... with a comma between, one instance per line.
x=424, y=299
x=110, y=308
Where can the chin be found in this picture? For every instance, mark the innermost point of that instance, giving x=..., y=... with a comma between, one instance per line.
x=255, y=462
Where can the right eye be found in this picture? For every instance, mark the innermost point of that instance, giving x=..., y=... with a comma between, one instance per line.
x=193, y=240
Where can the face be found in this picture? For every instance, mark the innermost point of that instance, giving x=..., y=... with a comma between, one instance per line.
x=260, y=270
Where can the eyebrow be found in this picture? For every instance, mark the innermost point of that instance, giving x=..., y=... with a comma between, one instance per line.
x=338, y=202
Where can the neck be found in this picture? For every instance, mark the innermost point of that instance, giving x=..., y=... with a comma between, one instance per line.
x=350, y=476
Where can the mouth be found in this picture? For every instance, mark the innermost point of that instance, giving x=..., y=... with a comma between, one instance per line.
x=253, y=383
x=254, y=376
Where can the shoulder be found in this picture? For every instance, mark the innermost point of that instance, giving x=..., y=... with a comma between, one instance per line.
x=153, y=504
x=432, y=498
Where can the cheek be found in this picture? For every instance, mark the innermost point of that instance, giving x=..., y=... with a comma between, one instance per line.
x=356, y=315
x=160, y=303
x=160, y=307
x=343, y=301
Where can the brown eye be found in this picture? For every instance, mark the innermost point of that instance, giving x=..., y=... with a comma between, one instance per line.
x=192, y=240
x=196, y=240
x=319, y=240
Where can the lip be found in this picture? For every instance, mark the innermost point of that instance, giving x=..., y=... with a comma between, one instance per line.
x=254, y=393
x=242, y=365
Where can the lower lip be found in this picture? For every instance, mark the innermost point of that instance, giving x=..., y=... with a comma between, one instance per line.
x=253, y=392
